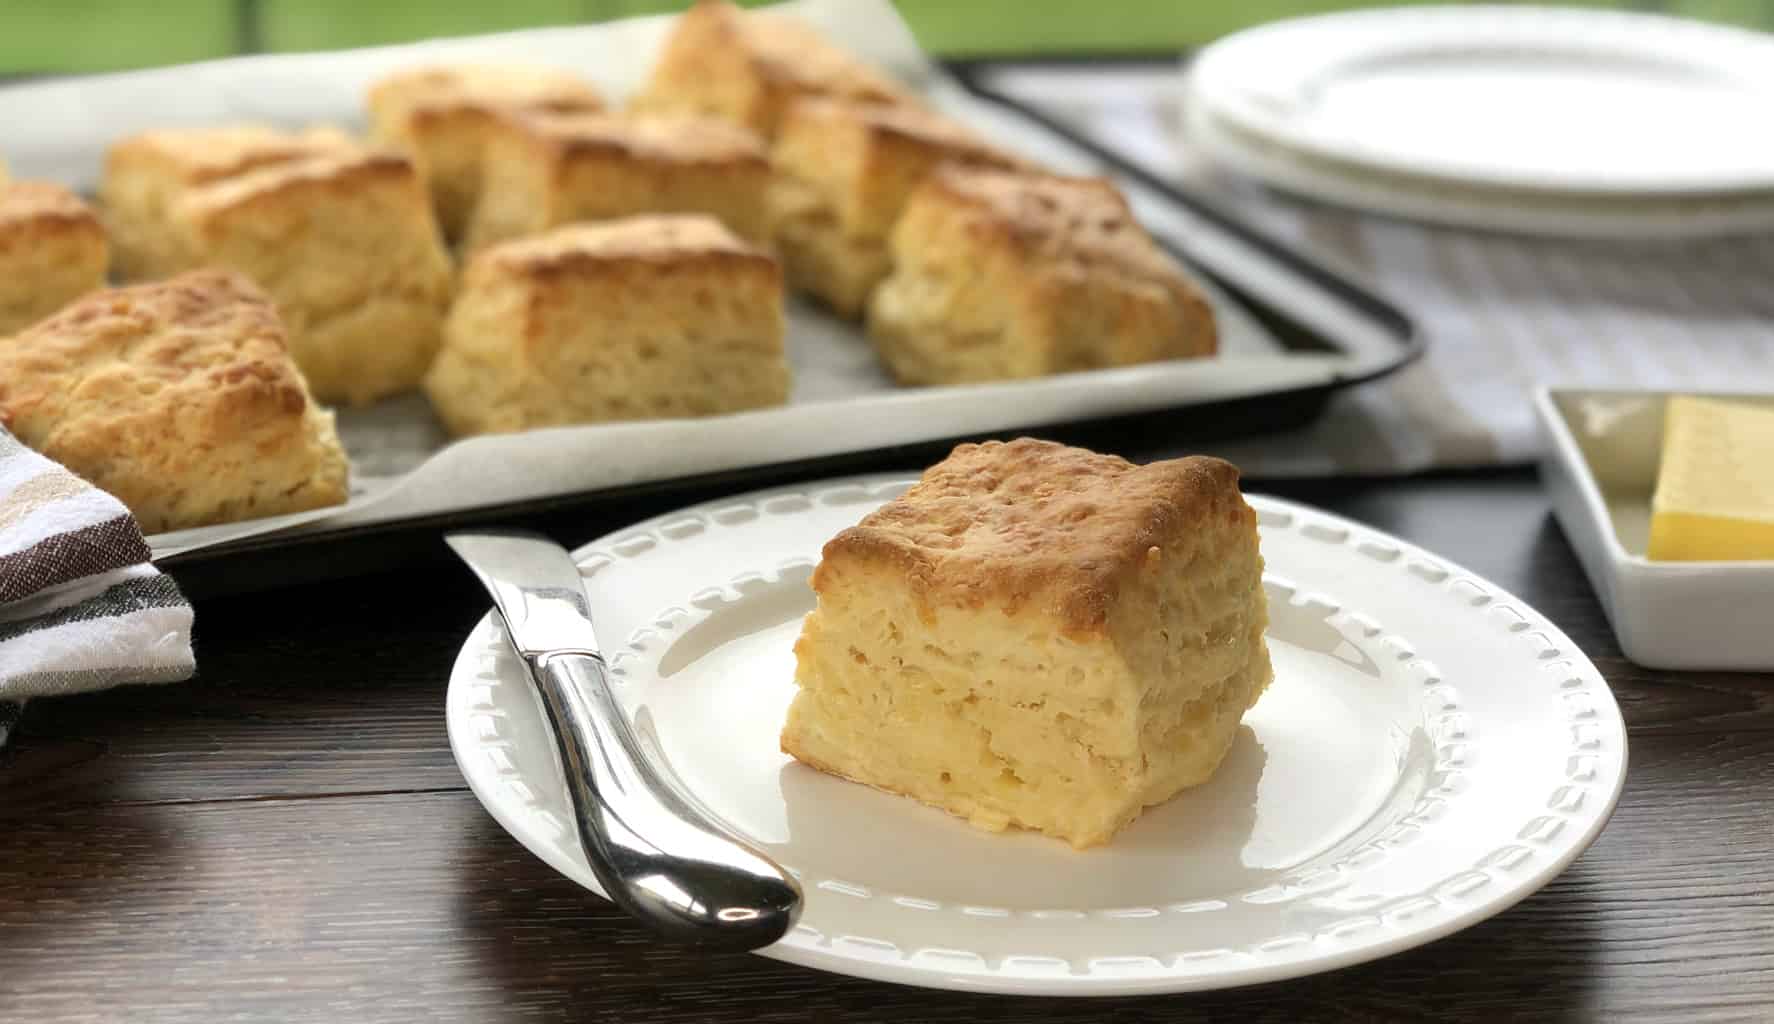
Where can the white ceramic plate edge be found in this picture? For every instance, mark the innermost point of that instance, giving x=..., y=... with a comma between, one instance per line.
x=1405, y=28
x=1417, y=199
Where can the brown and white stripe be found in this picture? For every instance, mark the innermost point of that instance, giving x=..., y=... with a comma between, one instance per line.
x=81, y=607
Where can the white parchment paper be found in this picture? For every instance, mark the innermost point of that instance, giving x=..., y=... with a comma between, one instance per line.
x=403, y=463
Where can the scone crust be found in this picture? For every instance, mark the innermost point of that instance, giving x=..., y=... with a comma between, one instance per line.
x=612, y=255
x=844, y=170
x=443, y=115
x=698, y=141
x=681, y=240
x=347, y=246
x=1004, y=275
x=546, y=169
x=818, y=257
x=1081, y=224
x=748, y=66
x=145, y=173
x=342, y=236
x=268, y=190
x=865, y=159
x=192, y=156
x=641, y=317
x=52, y=250
x=178, y=397
x=409, y=100
x=1031, y=524
x=41, y=206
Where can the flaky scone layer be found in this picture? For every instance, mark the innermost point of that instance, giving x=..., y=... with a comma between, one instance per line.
x=644, y=317
x=1036, y=636
x=843, y=173
x=748, y=67
x=545, y=170
x=443, y=115
x=52, y=250
x=1010, y=274
x=341, y=236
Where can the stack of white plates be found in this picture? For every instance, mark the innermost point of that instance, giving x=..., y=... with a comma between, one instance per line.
x=1539, y=120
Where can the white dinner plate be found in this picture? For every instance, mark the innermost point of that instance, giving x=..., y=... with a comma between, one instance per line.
x=1566, y=100
x=1432, y=751
x=1540, y=213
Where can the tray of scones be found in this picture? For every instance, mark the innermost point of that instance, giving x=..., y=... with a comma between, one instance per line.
x=284, y=295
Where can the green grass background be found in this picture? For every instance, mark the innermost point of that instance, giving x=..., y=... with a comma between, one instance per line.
x=38, y=36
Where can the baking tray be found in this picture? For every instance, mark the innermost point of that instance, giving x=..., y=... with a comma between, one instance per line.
x=1296, y=331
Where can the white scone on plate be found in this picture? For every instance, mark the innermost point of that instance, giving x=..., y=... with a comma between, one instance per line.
x=843, y=173
x=748, y=66
x=342, y=237
x=52, y=251
x=180, y=398
x=1036, y=636
x=543, y=170
x=1001, y=275
x=442, y=115
x=646, y=317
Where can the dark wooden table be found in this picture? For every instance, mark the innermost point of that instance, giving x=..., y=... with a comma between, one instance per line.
x=287, y=838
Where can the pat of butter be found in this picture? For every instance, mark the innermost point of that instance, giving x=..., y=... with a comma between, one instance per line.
x=1715, y=484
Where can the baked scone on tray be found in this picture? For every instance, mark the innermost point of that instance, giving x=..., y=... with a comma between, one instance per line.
x=178, y=397
x=339, y=235
x=641, y=318
x=146, y=173
x=1001, y=275
x=748, y=66
x=1036, y=636
x=52, y=251
x=843, y=173
x=543, y=170
x=442, y=114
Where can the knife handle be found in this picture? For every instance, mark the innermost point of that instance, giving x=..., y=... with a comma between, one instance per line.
x=657, y=855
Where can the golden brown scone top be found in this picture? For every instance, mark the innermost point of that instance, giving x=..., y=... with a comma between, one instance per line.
x=786, y=49
x=562, y=262
x=1054, y=217
x=194, y=156
x=747, y=65
x=344, y=172
x=915, y=125
x=650, y=236
x=205, y=344
x=699, y=140
x=42, y=203
x=1034, y=523
x=453, y=87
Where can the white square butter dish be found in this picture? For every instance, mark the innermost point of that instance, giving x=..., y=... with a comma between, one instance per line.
x=1600, y=468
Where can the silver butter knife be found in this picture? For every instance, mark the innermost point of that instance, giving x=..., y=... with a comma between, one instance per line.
x=656, y=854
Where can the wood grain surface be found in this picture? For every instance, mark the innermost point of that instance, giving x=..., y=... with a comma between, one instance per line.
x=287, y=838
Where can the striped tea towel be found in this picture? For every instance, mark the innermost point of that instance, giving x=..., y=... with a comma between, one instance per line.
x=81, y=608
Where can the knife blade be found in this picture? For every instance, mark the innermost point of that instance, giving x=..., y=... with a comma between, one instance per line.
x=656, y=853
